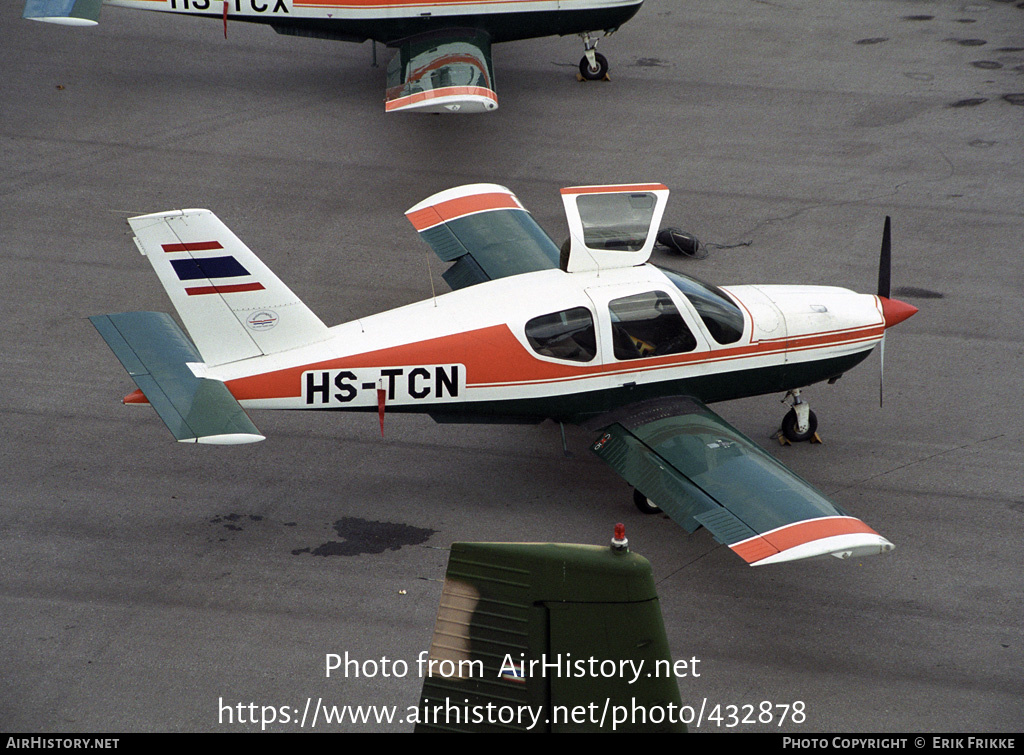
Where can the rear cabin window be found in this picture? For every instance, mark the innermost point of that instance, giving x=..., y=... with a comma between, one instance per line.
x=567, y=335
x=720, y=316
x=648, y=325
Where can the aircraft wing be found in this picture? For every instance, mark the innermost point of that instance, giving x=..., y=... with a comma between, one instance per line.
x=701, y=471
x=448, y=71
x=486, y=231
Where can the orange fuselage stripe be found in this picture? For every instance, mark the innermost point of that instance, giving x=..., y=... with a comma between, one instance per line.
x=493, y=356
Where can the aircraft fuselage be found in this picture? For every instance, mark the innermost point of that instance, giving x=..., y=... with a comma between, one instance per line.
x=489, y=353
x=391, y=21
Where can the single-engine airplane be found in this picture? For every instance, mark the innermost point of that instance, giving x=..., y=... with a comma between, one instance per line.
x=593, y=335
x=443, y=58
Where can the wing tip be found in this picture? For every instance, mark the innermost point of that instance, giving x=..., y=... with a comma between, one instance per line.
x=225, y=439
x=842, y=547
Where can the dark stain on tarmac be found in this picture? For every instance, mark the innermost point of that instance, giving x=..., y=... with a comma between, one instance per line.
x=361, y=536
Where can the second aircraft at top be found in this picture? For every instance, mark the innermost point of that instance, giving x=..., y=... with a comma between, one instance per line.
x=443, y=63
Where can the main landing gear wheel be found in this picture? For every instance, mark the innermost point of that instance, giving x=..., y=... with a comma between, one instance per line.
x=594, y=72
x=644, y=503
x=790, y=429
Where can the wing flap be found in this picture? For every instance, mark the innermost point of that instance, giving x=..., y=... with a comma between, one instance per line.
x=701, y=471
x=157, y=354
x=485, y=230
x=448, y=71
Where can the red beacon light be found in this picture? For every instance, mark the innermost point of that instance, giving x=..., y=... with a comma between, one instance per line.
x=619, y=541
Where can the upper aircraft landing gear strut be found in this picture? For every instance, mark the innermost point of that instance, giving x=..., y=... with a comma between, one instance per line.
x=593, y=65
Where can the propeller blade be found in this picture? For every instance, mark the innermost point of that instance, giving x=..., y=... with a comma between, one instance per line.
x=885, y=260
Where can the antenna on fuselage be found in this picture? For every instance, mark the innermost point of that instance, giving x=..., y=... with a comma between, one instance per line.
x=430, y=274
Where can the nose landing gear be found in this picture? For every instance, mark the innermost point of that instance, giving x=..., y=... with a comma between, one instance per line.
x=800, y=423
x=593, y=65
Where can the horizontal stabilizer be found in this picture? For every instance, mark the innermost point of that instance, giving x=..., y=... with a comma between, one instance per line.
x=66, y=12
x=701, y=471
x=157, y=355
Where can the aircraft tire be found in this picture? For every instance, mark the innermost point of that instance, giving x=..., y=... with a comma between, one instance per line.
x=789, y=423
x=594, y=74
x=644, y=504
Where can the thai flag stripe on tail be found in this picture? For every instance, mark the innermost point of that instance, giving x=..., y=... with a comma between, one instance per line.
x=200, y=290
x=192, y=246
x=198, y=268
x=209, y=268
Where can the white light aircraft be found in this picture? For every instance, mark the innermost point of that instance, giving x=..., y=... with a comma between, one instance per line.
x=443, y=58
x=592, y=334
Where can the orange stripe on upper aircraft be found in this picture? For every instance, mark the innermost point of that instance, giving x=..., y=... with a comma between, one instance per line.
x=389, y=4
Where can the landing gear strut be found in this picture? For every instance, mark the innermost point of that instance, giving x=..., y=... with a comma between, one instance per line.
x=800, y=423
x=593, y=65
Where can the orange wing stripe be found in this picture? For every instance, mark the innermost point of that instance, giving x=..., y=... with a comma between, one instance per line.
x=456, y=208
x=796, y=534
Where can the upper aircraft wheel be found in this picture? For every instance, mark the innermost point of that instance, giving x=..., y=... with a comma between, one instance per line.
x=644, y=503
x=789, y=427
x=596, y=73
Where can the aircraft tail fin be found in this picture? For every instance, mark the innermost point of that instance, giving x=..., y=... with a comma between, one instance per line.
x=167, y=368
x=508, y=607
x=66, y=12
x=233, y=306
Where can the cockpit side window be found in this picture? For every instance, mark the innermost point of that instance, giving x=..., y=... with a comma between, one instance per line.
x=720, y=316
x=567, y=335
x=648, y=325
